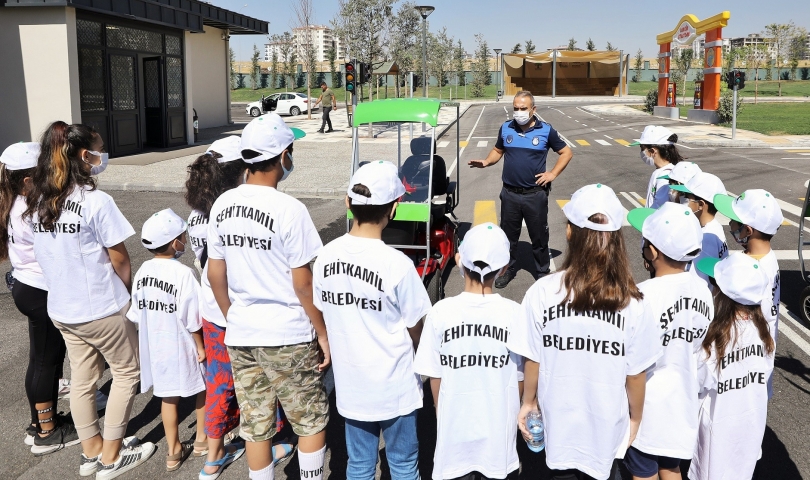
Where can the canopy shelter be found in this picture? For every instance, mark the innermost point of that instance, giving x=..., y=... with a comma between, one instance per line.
x=382, y=69
x=566, y=72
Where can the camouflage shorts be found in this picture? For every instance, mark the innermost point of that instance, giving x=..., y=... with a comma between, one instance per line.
x=289, y=374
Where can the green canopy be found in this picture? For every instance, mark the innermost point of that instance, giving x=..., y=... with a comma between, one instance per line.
x=398, y=110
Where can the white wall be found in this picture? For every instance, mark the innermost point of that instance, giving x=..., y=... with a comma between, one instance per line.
x=40, y=71
x=207, y=78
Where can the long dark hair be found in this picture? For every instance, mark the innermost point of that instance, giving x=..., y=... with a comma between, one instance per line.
x=723, y=329
x=670, y=152
x=59, y=170
x=12, y=183
x=597, y=270
x=208, y=179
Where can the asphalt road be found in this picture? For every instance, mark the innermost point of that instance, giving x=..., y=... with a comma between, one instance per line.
x=608, y=162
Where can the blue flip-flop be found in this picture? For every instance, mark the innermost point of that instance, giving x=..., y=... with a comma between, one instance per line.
x=223, y=462
x=288, y=451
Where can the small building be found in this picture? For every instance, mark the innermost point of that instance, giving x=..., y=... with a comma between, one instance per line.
x=135, y=70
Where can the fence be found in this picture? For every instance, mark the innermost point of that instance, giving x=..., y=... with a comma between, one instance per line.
x=299, y=80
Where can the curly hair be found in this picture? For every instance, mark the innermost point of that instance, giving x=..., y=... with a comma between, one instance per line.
x=11, y=186
x=208, y=179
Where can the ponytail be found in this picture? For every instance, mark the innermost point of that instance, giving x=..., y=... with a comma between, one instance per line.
x=11, y=185
x=723, y=329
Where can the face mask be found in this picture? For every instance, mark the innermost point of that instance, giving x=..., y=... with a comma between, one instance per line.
x=736, y=234
x=96, y=169
x=522, y=117
x=647, y=159
x=287, y=172
x=674, y=197
x=179, y=253
x=648, y=265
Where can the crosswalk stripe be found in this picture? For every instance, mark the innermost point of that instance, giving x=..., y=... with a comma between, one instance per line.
x=622, y=142
x=443, y=144
x=639, y=198
x=482, y=143
x=602, y=142
x=630, y=199
x=484, y=211
x=583, y=143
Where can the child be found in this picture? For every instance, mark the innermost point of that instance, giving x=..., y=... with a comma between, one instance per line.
x=681, y=308
x=165, y=307
x=698, y=195
x=735, y=363
x=755, y=217
x=658, y=150
x=373, y=302
x=472, y=373
x=260, y=244
x=680, y=174
x=586, y=344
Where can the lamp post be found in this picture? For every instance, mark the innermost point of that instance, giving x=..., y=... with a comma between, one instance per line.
x=498, y=65
x=424, y=11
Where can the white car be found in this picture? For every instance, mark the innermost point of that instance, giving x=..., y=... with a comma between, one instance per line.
x=291, y=103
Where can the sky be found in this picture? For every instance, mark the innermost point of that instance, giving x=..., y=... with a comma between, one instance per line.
x=628, y=24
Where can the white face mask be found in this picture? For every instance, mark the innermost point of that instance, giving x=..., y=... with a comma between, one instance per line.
x=179, y=253
x=522, y=117
x=287, y=172
x=647, y=159
x=674, y=197
x=97, y=169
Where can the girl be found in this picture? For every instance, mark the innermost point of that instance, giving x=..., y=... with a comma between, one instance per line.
x=586, y=344
x=736, y=362
x=79, y=238
x=47, y=432
x=218, y=170
x=658, y=149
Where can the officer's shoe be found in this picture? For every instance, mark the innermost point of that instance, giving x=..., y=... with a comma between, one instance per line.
x=504, y=279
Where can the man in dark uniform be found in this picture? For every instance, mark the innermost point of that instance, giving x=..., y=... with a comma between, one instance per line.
x=524, y=142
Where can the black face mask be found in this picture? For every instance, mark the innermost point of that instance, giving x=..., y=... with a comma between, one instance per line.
x=648, y=265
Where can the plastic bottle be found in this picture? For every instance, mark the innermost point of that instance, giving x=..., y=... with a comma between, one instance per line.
x=534, y=423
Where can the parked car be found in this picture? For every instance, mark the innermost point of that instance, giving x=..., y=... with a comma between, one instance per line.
x=291, y=103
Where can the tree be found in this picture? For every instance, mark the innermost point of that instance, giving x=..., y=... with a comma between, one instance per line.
x=331, y=56
x=255, y=69
x=366, y=44
x=290, y=59
x=683, y=62
x=458, y=64
x=530, y=46
x=780, y=35
x=274, y=39
x=756, y=57
x=232, y=68
x=639, y=64
x=769, y=69
x=304, y=15
x=480, y=66
x=440, y=55
x=517, y=48
x=797, y=49
x=610, y=47
x=405, y=46
x=590, y=45
x=572, y=44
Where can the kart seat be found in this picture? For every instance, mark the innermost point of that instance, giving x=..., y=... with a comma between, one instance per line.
x=415, y=170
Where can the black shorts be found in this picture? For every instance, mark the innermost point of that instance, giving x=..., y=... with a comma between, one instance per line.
x=479, y=476
x=644, y=465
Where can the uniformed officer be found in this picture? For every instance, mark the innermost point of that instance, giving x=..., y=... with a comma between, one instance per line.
x=524, y=142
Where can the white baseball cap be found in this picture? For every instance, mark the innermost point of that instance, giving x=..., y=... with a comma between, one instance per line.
x=20, y=156
x=682, y=172
x=229, y=147
x=756, y=208
x=739, y=276
x=593, y=199
x=161, y=228
x=484, y=243
x=269, y=136
x=654, y=135
x=672, y=228
x=703, y=185
x=382, y=180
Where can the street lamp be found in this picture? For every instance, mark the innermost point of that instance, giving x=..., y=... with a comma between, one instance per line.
x=497, y=54
x=424, y=11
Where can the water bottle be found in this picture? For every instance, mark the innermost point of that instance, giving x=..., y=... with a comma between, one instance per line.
x=534, y=423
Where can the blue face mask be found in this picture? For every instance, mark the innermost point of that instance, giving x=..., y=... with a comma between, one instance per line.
x=737, y=238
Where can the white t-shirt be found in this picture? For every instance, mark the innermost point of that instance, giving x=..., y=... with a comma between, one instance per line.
x=658, y=189
x=370, y=294
x=21, y=247
x=584, y=362
x=681, y=308
x=714, y=246
x=82, y=284
x=770, y=306
x=198, y=238
x=165, y=307
x=734, y=411
x=197, y=232
x=464, y=344
x=262, y=234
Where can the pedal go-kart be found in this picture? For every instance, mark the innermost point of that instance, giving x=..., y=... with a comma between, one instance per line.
x=424, y=227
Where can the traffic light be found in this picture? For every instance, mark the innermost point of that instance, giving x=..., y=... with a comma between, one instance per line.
x=739, y=79
x=415, y=83
x=365, y=77
x=351, y=76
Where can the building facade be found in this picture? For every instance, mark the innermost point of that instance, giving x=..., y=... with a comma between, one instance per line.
x=137, y=71
x=320, y=36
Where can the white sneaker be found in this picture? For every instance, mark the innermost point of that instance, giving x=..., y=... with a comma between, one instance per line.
x=64, y=387
x=101, y=400
x=128, y=459
x=89, y=466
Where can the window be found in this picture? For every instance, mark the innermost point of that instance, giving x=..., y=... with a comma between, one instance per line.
x=134, y=39
x=122, y=80
x=88, y=32
x=91, y=79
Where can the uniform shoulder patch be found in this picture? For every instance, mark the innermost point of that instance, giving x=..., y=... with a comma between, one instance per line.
x=509, y=139
x=535, y=141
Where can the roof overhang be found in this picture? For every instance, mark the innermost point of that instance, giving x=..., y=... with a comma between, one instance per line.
x=188, y=15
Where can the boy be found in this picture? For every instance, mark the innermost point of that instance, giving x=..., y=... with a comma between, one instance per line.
x=682, y=308
x=472, y=373
x=165, y=307
x=698, y=195
x=755, y=217
x=373, y=302
x=260, y=244
x=680, y=174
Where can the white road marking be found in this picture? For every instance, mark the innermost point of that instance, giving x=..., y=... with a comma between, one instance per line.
x=505, y=110
x=602, y=142
x=684, y=146
x=455, y=162
x=794, y=158
x=481, y=143
x=589, y=113
x=638, y=197
x=631, y=200
x=595, y=130
x=789, y=208
x=566, y=140
x=796, y=338
x=584, y=125
x=609, y=137
x=443, y=144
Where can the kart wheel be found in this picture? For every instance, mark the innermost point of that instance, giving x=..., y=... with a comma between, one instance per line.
x=805, y=304
x=255, y=112
x=435, y=288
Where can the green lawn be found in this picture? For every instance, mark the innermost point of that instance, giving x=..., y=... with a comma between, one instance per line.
x=775, y=118
x=790, y=88
x=248, y=95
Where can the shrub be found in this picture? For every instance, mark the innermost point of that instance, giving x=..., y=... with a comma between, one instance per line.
x=725, y=109
x=651, y=101
x=805, y=73
x=785, y=75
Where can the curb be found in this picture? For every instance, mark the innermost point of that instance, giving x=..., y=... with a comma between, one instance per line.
x=596, y=111
x=735, y=144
